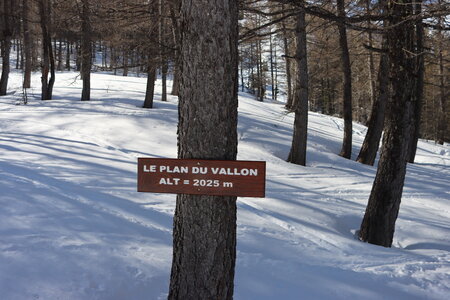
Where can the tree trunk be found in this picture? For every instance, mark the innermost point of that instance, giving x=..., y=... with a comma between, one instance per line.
x=297, y=154
x=150, y=90
x=289, y=100
x=272, y=76
x=125, y=63
x=442, y=115
x=176, y=80
x=346, y=150
x=204, y=246
x=27, y=45
x=418, y=96
x=18, y=52
x=48, y=60
x=59, y=65
x=78, y=57
x=382, y=209
x=371, y=65
x=162, y=42
x=68, y=48
x=372, y=139
x=86, y=51
x=6, y=47
x=177, y=41
x=260, y=86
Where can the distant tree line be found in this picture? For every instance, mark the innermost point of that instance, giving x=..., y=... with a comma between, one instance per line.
x=343, y=42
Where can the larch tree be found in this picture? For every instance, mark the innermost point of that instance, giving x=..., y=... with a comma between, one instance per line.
x=378, y=224
x=27, y=43
x=204, y=235
x=152, y=52
x=297, y=154
x=371, y=143
x=6, y=34
x=346, y=150
x=419, y=84
x=48, y=60
x=86, y=49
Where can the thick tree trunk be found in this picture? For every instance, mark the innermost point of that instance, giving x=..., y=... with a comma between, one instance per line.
x=381, y=213
x=418, y=95
x=372, y=139
x=205, y=226
x=27, y=45
x=6, y=47
x=297, y=154
x=346, y=150
x=86, y=51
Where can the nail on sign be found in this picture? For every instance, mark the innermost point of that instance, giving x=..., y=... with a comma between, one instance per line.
x=202, y=177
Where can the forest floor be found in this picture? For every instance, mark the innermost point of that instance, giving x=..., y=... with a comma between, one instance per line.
x=72, y=225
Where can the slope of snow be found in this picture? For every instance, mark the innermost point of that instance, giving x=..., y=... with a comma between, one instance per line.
x=72, y=225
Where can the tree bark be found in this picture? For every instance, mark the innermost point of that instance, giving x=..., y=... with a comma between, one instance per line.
x=372, y=139
x=163, y=57
x=6, y=47
x=418, y=96
x=59, y=65
x=289, y=101
x=150, y=90
x=442, y=114
x=48, y=60
x=86, y=51
x=297, y=154
x=177, y=41
x=378, y=224
x=27, y=45
x=204, y=246
x=272, y=65
x=68, y=48
x=346, y=150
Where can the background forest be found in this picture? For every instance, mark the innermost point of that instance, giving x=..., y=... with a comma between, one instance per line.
x=143, y=37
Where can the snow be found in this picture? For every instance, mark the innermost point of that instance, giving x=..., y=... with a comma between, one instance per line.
x=72, y=225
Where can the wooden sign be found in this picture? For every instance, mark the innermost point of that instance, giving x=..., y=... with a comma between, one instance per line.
x=202, y=177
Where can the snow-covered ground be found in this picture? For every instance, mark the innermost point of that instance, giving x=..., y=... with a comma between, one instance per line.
x=72, y=225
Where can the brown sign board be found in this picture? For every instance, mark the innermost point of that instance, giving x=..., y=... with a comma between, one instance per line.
x=202, y=177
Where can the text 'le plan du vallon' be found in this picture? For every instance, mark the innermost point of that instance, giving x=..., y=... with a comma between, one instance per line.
x=201, y=170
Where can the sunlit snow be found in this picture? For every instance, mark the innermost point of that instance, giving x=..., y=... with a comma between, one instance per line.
x=72, y=225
